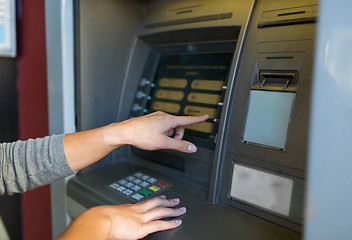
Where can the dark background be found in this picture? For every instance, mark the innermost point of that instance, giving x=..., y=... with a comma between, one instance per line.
x=10, y=206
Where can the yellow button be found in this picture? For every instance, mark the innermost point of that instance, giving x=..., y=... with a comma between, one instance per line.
x=195, y=111
x=206, y=98
x=173, y=82
x=154, y=188
x=207, y=85
x=171, y=95
x=166, y=106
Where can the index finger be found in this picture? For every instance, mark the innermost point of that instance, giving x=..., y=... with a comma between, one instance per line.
x=181, y=121
x=159, y=201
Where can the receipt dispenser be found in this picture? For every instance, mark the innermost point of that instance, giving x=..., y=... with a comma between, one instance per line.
x=269, y=110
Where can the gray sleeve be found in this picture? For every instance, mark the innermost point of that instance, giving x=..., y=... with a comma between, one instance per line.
x=25, y=165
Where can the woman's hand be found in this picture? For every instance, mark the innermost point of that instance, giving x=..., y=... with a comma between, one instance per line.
x=154, y=131
x=128, y=221
x=150, y=132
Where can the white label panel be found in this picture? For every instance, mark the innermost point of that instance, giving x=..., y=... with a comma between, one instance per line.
x=268, y=117
x=262, y=189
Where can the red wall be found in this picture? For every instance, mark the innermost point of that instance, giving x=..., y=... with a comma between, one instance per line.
x=33, y=108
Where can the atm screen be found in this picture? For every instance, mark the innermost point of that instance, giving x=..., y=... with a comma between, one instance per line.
x=191, y=84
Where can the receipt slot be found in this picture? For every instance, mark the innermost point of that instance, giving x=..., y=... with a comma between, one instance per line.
x=269, y=109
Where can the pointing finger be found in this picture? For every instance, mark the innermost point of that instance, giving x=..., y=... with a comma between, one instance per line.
x=188, y=120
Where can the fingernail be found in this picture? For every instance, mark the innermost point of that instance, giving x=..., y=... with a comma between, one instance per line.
x=162, y=196
x=178, y=222
x=191, y=148
x=183, y=209
x=176, y=199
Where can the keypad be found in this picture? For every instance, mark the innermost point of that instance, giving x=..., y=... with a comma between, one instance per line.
x=127, y=192
x=144, y=184
x=120, y=189
x=138, y=186
x=137, y=196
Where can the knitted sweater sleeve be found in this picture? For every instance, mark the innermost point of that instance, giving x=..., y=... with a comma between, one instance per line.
x=25, y=165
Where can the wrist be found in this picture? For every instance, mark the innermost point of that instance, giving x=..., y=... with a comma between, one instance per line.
x=102, y=220
x=113, y=135
x=91, y=224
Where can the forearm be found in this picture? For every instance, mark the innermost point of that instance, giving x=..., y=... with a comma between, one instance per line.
x=150, y=132
x=87, y=147
x=91, y=224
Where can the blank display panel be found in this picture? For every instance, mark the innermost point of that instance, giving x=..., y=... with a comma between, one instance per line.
x=262, y=189
x=268, y=118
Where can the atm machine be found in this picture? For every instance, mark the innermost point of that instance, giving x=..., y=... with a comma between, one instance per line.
x=247, y=64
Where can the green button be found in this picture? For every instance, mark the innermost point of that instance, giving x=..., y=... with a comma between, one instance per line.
x=146, y=192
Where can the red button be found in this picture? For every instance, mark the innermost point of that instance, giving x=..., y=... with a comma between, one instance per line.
x=162, y=184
